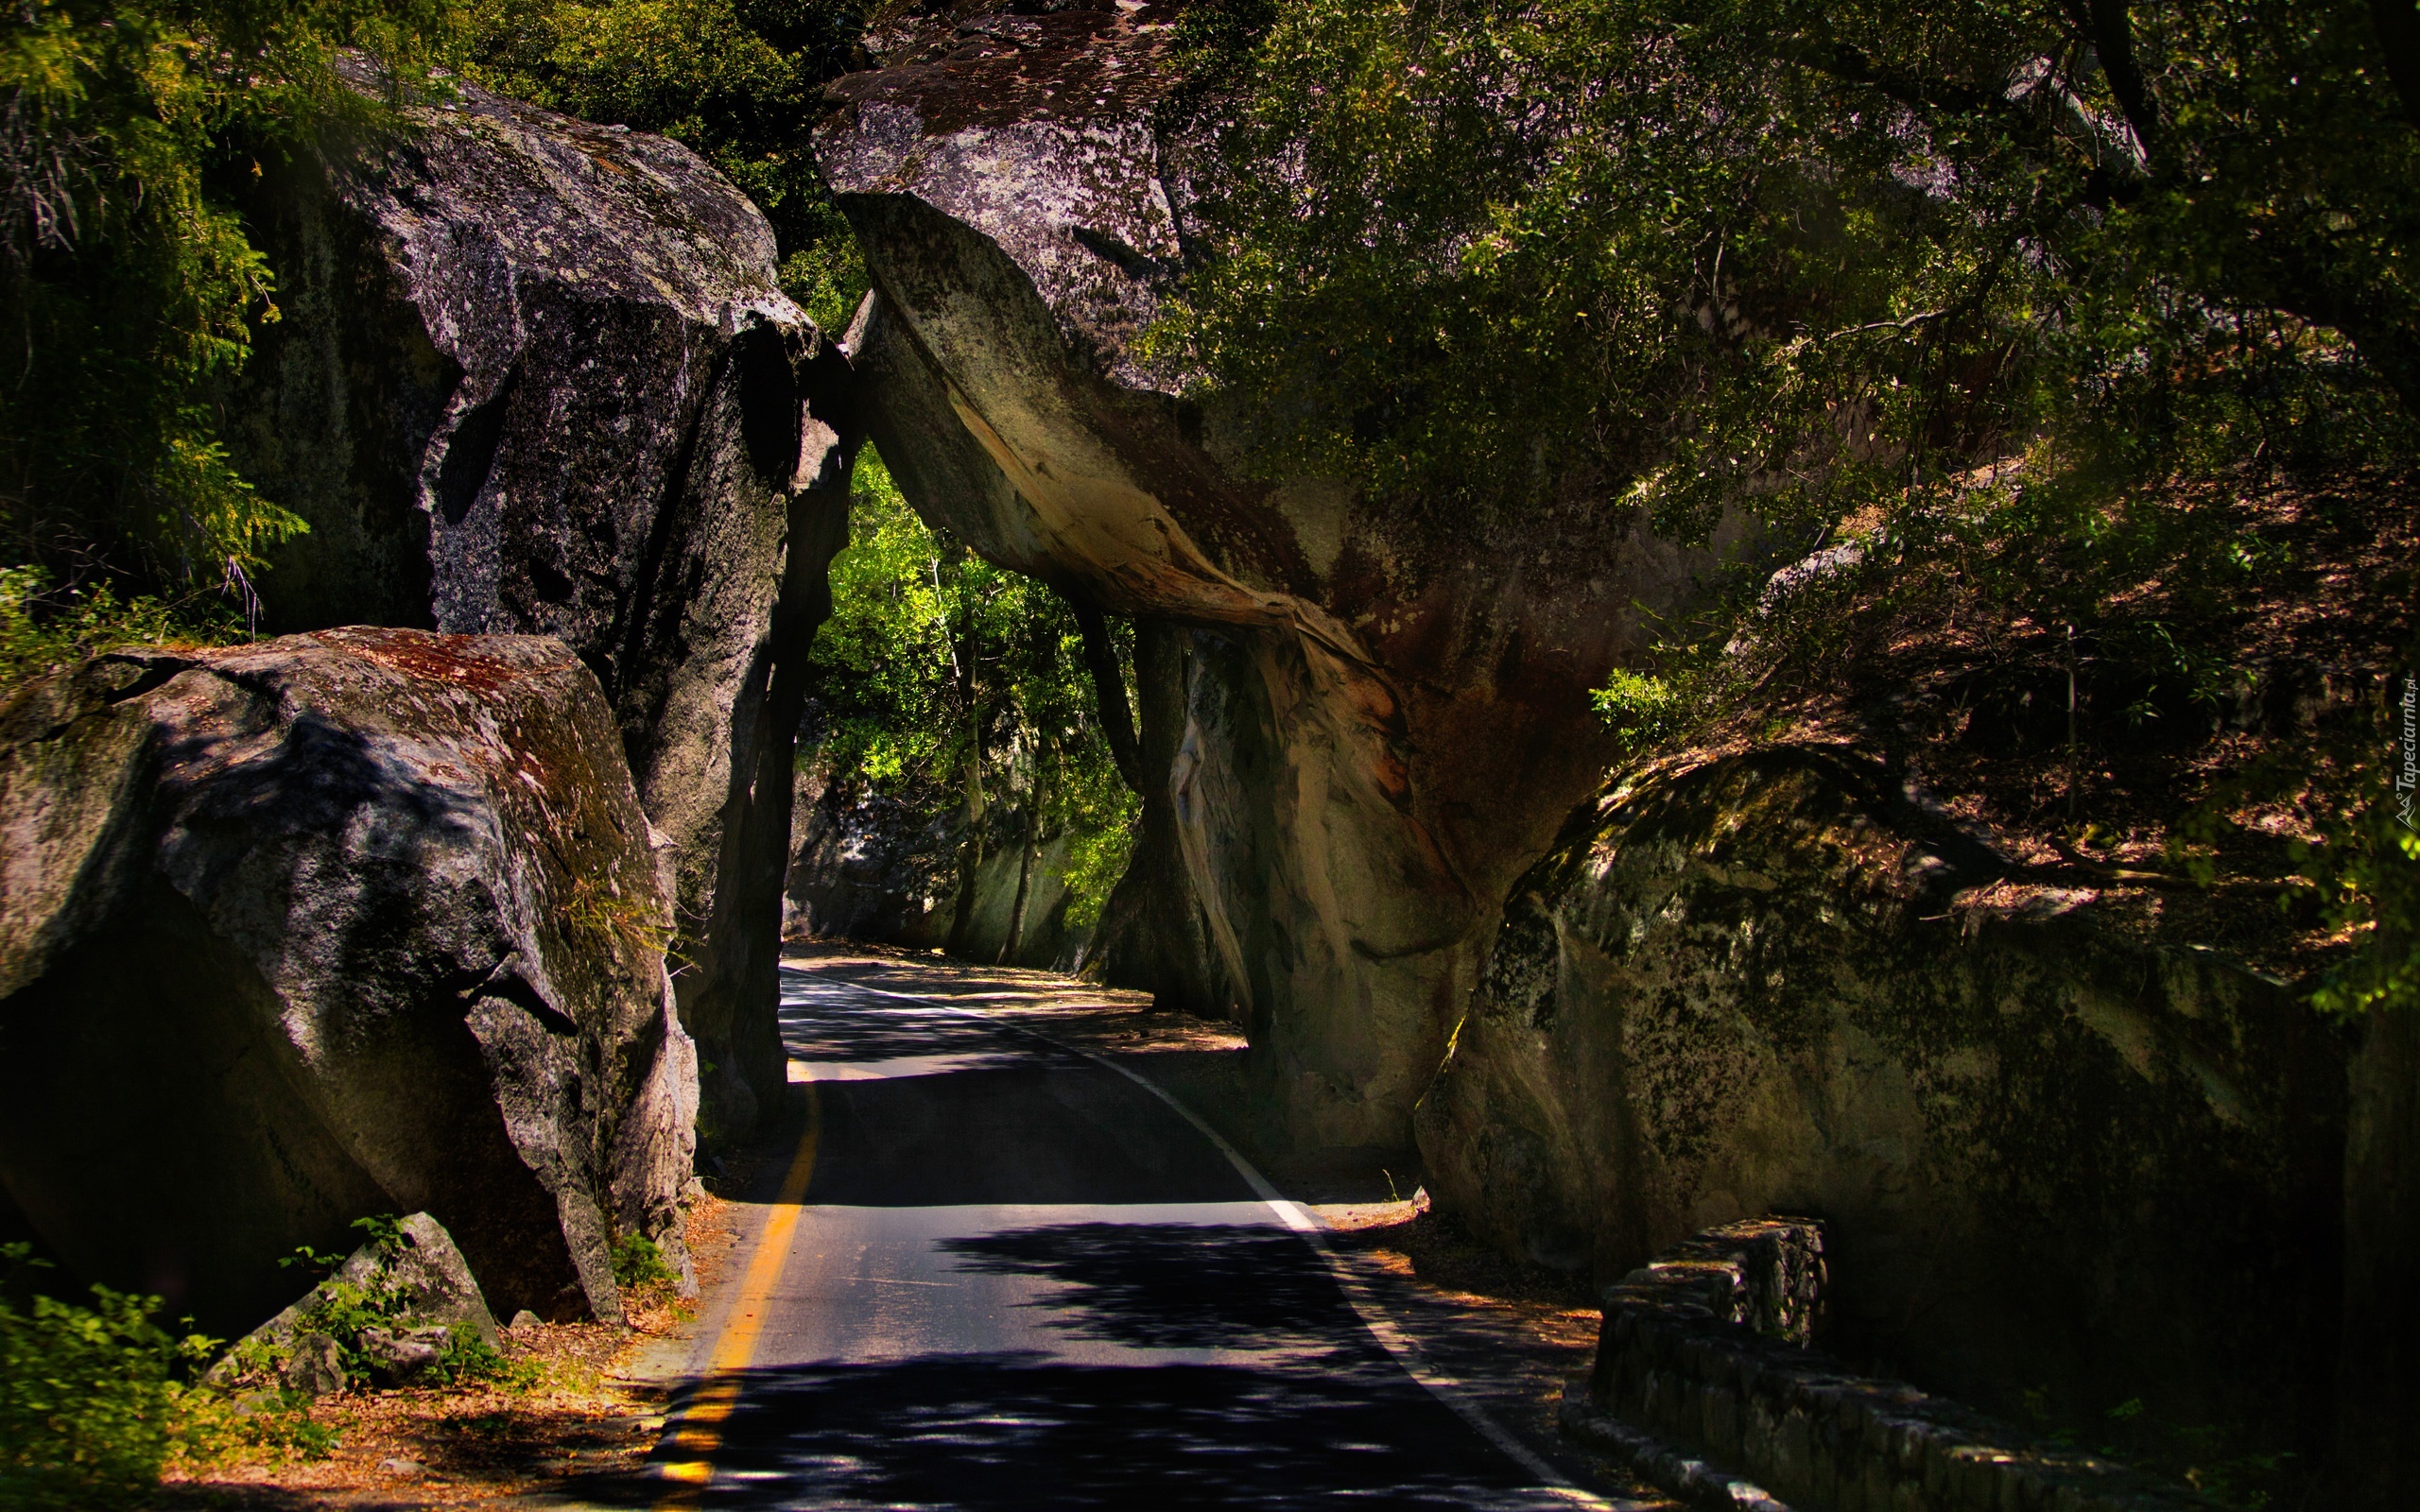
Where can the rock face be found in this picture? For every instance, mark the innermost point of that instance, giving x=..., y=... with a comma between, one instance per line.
x=1381, y=707
x=535, y=376
x=361, y=921
x=2048, y=1156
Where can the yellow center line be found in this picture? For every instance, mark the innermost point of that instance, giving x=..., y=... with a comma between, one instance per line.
x=698, y=1433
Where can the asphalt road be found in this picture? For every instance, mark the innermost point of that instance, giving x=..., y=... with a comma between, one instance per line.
x=999, y=1274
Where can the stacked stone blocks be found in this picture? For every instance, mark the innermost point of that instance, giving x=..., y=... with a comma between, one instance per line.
x=1708, y=1349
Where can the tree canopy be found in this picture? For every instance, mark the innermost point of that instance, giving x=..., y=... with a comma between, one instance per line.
x=1812, y=253
x=1974, y=291
x=127, y=281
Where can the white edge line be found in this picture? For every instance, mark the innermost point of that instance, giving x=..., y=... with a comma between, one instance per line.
x=1405, y=1350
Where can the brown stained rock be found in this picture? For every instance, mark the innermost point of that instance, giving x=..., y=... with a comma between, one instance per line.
x=533, y=375
x=353, y=922
x=1382, y=709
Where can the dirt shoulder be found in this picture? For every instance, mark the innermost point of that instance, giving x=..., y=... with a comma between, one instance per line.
x=580, y=1413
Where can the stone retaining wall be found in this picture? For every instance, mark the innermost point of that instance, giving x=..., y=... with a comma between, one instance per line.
x=1705, y=1348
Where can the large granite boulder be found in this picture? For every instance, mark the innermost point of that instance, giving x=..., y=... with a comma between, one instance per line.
x=532, y=375
x=354, y=922
x=1377, y=710
x=2051, y=1154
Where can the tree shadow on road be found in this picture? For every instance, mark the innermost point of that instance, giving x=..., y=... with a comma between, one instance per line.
x=820, y=1023
x=1010, y=1431
x=1177, y=1286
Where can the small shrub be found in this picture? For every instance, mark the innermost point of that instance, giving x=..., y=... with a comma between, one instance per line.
x=211, y=1425
x=90, y=1398
x=469, y=1357
x=638, y=1261
x=1641, y=709
x=43, y=630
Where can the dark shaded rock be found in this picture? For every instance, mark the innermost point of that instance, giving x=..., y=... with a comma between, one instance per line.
x=1700, y=1354
x=533, y=375
x=2377, y=1395
x=1379, y=714
x=2049, y=1156
x=351, y=922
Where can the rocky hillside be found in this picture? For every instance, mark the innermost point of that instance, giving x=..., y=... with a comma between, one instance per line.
x=1961, y=927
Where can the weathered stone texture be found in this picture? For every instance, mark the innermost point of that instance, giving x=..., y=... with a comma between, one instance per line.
x=353, y=922
x=1385, y=702
x=533, y=375
x=2049, y=1156
x=422, y=1276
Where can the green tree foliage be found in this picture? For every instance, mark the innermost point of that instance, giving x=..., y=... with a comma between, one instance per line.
x=738, y=81
x=127, y=286
x=959, y=688
x=1819, y=253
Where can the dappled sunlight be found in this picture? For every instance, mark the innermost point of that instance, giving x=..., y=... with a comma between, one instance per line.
x=1021, y=1431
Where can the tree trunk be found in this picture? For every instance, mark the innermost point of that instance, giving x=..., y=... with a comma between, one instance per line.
x=1151, y=935
x=970, y=854
x=1015, y=941
x=1109, y=687
x=970, y=872
x=2397, y=23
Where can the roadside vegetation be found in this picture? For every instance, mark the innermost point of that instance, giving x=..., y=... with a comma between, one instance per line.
x=94, y=1399
x=102, y=1401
